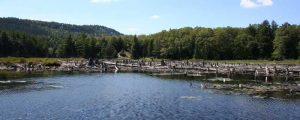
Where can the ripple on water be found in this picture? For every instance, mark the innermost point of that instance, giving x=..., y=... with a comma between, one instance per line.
x=134, y=96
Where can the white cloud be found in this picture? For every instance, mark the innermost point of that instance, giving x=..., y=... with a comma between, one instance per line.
x=154, y=17
x=255, y=3
x=103, y=1
x=265, y=2
x=248, y=4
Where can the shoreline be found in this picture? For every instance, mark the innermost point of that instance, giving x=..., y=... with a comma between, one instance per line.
x=188, y=67
x=264, y=89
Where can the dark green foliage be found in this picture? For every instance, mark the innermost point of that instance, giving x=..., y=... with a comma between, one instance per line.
x=22, y=45
x=53, y=28
x=265, y=37
x=68, y=48
x=109, y=51
x=286, y=42
x=148, y=48
x=253, y=42
x=299, y=50
x=5, y=45
x=118, y=43
x=136, y=50
x=258, y=41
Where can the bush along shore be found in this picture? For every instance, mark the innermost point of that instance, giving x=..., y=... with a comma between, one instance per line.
x=187, y=68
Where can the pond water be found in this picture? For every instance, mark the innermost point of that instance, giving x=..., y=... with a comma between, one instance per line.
x=130, y=96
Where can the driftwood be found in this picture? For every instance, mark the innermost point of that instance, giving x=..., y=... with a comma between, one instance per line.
x=164, y=66
x=205, y=67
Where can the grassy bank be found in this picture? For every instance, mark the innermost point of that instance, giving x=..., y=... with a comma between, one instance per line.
x=35, y=60
x=57, y=60
x=237, y=61
x=256, y=61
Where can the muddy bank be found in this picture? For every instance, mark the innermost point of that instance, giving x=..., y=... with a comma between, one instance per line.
x=163, y=67
x=197, y=68
x=64, y=66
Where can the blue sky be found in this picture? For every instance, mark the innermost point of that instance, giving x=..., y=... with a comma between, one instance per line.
x=151, y=16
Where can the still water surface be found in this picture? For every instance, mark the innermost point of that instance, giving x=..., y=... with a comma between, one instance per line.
x=132, y=96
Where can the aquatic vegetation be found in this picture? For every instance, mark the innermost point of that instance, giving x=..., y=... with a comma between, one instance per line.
x=191, y=97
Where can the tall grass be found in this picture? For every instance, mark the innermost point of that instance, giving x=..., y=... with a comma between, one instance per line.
x=36, y=60
x=58, y=60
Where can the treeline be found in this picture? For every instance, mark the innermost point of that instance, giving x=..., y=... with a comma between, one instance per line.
x=17, y=44
x=22, y=45
x=257, y=41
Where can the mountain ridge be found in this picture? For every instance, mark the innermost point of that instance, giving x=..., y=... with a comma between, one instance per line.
x=46, y=28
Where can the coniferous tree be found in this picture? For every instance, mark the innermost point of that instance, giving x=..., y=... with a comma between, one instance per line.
x=135, y=48
x=286, y=42
x=67, y=48
x=110, y=51
x=5, y=45
x=264, y=37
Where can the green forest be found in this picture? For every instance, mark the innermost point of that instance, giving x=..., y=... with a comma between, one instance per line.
x=267, y=40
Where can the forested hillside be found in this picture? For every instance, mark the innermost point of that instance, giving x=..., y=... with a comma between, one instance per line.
x=52, y=28
x=257, y=41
